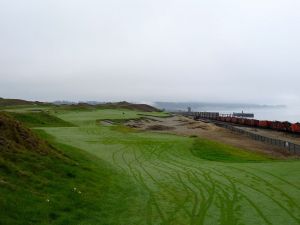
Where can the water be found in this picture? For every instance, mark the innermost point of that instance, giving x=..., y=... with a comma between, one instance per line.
x=291, y=114
x=261, y=112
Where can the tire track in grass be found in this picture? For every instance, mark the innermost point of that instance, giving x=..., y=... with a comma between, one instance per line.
x=278, y=203
x=233, y=186
x=196, y=199
x=149, y=213
x=229, y=217
x=133, y=174
x=277, y=177
x=189, y=189
x=142, y=180
x=156, y=160
x=206, y=205
x=210, y=199
x=223, y=193
x=288, y=199
x=229, y=214
x=139, y=179
x=246, y=197
x=179, y=206
x=152, y=197
x=114, y=156
x=230, y=179
x=228, y=204
x=259, y=212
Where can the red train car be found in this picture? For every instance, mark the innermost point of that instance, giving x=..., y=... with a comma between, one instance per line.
x=276, y=125
x=228, y=119
x=248, y=122
x=234, y=120
x=264, y=123
x=251, y=122
x=254, y=123
x=241, y=121
x=287, y=126
x=295, y=128
x=281, y=126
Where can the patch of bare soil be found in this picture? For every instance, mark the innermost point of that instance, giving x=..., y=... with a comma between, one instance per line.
x=106, y=123
x=159, y=127
x=188, y=127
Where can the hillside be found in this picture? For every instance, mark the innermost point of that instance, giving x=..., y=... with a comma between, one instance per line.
x=17, y=102
x=79, y=106
x=131, y=106
x=112, y=105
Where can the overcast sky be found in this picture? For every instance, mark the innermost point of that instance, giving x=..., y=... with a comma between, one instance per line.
x=154, y=50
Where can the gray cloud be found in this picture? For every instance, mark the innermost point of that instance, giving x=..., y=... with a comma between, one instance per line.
x=229, y=51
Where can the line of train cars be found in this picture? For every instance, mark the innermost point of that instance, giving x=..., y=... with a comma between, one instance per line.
x=274, y=125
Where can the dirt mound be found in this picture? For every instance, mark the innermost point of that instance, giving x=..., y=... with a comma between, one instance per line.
x=15, y=136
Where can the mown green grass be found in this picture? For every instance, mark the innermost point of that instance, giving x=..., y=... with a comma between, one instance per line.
x=168, y=179
x=215, y=151
x=227, y=186
x=26, y=108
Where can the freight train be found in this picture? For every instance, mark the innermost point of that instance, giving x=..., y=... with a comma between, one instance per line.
x=273, y=125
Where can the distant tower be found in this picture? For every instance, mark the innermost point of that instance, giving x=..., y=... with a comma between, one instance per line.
x=189, y=109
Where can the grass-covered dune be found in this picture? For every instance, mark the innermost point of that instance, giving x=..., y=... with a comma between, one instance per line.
x=39, y=119
x=122, y=176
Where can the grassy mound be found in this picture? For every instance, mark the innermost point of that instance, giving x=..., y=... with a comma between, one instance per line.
x=215, y=151
x=40, y=119
x=14, y=136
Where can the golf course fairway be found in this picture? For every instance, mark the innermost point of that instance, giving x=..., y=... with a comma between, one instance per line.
x=184, y=180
